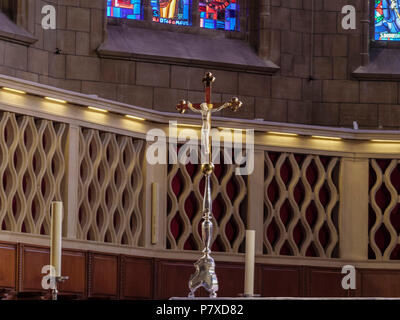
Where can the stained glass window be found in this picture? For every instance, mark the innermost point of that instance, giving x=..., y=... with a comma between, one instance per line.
x=387, y=20
x=218, y=14
x=176, y=12
x=128, y=9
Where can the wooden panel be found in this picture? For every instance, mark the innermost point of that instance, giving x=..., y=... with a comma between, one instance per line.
x=380, y=283
x=172, y=278
x=8, y=255
x=230, y=279
x=74, y=266
x=33, y=260
x=103, y=275
x=325, y=282
x=281, y=281
x=137, y=278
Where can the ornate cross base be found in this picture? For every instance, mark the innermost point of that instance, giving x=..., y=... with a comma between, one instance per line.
x=204, y=277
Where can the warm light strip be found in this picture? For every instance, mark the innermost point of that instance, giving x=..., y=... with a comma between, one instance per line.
x=97, y=109
x=14, y=90
x=55, y=100
x=385, y=141
x=189, y=125
x=135, y=118
x=326, y=138
x=287, y=134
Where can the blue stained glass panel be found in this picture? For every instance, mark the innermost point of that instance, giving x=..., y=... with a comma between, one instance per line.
x=387, y=20
x=219, y=14
x=127, y=9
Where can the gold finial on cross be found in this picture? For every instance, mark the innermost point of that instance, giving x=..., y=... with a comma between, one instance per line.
x=208, y=80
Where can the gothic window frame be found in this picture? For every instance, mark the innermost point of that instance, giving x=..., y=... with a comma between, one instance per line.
x=147, y=22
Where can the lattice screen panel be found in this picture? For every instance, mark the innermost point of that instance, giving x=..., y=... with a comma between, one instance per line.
x=185, y=197
x=384, y=209
x=109, y=188
x=301, y=205
x=32, y=169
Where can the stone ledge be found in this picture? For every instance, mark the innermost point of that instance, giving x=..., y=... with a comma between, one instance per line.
x=384, y=65
x=9, y=31
x=149, y=45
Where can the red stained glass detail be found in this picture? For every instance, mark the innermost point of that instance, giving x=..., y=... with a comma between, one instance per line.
x=382, y=238
x=298, y=234
x=395, y=255
x=324, y=195
x=383, y=163
x=217, y=246
x=191, y=169
x=273, y=156
x=323, y=235
x=218, y=170
x=285, y=250
x=190, y=244
x=371, y=218
x=325, y=161
x=395, y=218
x=231, y=230
x=272, y=232
x=176, y=226
x=298, y=193
x=273, y=191
x=177, y=184
x=231, y=189
x=311, y=214
x=395, y=178
x=299, y=158
x=312, y=174
x=382, y=197
x=191, y=206
x=286, y=171
x=311, y=252
x=286, y=213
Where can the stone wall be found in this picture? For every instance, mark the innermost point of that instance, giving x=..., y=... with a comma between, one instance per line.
x=313, y=86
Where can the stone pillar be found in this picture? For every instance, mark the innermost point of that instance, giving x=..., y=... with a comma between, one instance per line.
x=157, y=174
x=353, y=210
x=147, y=11
x=265, y=35
x=195, y=14
x=365, y=34
x=71, y=209
x=25, y=16
x=255, y=200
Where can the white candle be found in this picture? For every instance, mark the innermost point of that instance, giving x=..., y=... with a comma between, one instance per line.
x=249, y=266
x=55, y=233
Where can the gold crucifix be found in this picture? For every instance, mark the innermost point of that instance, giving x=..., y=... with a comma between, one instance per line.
x=207, y=108
x=205, y=275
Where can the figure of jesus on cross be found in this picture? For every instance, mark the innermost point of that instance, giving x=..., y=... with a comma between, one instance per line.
x=205, y=267
x=206, y=109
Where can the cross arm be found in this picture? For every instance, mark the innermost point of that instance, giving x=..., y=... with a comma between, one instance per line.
x=234, y=105
x=183, y=106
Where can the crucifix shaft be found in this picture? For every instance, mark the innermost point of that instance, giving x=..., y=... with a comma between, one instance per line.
x=205, y=275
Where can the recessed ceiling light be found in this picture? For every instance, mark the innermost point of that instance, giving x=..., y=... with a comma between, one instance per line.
x=55, y=100
x=13, y=90
x=326, y=138
x=188, y=125
x=135, y=118
x=98, y=109
x=385, y=141
x=287, y=134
